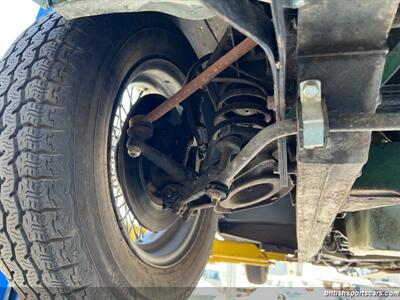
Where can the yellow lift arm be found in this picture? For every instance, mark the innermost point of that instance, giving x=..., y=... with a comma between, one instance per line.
x=242, y=253
x=233, y=252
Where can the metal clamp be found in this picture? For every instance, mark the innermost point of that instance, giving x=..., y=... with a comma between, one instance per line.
x=312, y=117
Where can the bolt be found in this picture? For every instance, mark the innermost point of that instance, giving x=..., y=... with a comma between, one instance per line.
x=310, y=89
x=134, y=151
x=297, y=3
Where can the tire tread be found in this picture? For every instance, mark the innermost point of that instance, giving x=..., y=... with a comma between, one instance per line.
x=41, y=250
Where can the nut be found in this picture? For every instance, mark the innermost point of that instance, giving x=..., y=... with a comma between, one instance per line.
x=134, y=151
x=215, y=196
x=310, y=90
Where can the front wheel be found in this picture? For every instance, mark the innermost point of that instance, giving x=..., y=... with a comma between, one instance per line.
x=77, y=211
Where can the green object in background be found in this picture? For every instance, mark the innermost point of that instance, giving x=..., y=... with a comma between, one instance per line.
x=376, y=231
x=392, y=64
x=382, y=170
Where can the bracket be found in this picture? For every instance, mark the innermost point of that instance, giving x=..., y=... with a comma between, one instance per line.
x=311, y=121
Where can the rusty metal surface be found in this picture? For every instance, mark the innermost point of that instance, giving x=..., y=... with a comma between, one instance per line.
x=203, y=78
x=342, y=44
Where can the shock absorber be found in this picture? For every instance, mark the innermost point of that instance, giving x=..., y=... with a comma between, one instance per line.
x=241, y=112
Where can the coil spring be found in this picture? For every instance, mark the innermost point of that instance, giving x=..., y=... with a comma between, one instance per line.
x=242, y=110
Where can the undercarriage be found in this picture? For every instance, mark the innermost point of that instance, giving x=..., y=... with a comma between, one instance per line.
x=160, y=126
x=293, y=122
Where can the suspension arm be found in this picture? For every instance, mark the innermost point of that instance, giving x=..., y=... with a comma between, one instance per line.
x=194, y=188
x=345, y=123
x=255, y=146
x=167, y=164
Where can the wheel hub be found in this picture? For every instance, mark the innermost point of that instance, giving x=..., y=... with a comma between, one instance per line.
x=148, y=208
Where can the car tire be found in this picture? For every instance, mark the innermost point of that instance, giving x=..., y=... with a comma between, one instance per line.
x=58, y=235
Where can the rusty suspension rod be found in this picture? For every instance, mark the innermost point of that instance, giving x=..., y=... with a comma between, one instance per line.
x=202, y=79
